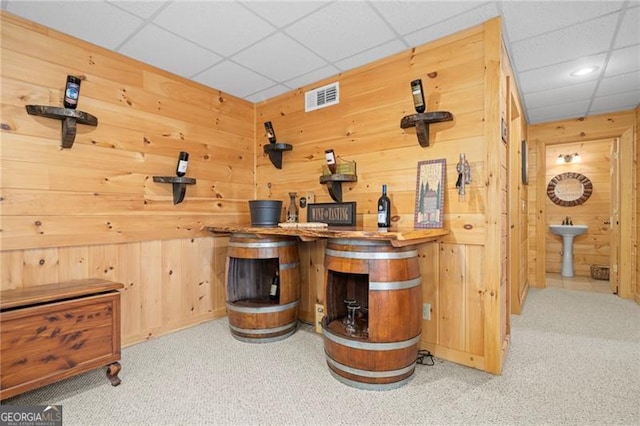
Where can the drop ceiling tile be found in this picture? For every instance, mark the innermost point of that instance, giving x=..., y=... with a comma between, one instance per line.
x=629, y=32
x=341, y=29
x=558, y=112
x=586, y=39
x=283, y=13
x=559, y=75
x=406, y=17
x=271, y=92
x=561, y=95
x=143, y=9
x=619, y=102
x=378, y=52
x=312, y=77
x=623, y=61
x=524, y=19
x=169, y=52
x=279, y=57
x=221, y=26
x=96, y=22
x=458, y=23
x=233, y=79
x=618, y=84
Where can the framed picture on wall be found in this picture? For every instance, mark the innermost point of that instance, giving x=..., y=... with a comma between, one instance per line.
x=430, y=193
x=524, y=148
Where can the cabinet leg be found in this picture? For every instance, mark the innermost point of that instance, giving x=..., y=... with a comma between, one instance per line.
x=112, y=373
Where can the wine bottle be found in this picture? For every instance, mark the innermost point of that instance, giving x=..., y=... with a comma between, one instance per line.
x=384, y=209
x=418, y=96
x=331, y=160
x=183, y=162
x=274, y=291
x=71, y=92
x=271, y=134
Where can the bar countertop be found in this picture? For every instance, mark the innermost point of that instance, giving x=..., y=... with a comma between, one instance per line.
x=398, y=237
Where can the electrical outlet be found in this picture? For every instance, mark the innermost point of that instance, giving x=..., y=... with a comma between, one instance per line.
x=319, y=316
x=426, y=311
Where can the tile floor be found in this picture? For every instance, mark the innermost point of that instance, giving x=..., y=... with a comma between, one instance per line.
x=578, y=283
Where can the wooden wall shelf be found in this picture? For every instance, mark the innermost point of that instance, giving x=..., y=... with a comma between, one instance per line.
x=422, y=121
x=179, y=185
x=275, y=151
x=69, y=118
x=334, y=184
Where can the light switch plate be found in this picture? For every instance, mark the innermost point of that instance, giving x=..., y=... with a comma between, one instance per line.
x=319, y=316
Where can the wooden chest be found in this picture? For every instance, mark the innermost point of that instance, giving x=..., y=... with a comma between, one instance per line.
x=55, y=331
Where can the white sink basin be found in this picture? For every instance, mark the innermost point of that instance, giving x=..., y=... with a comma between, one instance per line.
x=563, y=230
x=567, y=232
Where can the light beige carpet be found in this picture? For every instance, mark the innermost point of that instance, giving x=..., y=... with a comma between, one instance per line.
x=574, y=359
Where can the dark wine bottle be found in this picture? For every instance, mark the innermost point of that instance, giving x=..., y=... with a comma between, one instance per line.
x=274, y=291
x=418, y=95
x=183, y=162
x=384, y=209
x=71, y=92
x=271, y=134
x=331, y=160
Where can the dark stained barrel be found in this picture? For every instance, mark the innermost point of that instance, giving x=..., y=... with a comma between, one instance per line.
x=386, y=282
x=251, y=265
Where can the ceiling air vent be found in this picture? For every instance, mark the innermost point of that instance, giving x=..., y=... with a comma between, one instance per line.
x=322, y=97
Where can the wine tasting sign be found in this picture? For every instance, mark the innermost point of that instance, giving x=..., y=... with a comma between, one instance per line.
x=343, y=214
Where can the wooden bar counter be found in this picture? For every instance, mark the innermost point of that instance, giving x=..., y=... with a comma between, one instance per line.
x=372, y=295
x=398, y=237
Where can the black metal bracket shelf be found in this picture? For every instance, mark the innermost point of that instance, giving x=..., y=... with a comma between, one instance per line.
x=275, y=151
x=334, y=184
x=179, y=185
x=422, y=121
x=69, y=117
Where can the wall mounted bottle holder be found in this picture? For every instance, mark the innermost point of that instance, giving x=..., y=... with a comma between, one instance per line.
x=275, y=151
x=69, y=118
x=179, y=185
x=422, y=121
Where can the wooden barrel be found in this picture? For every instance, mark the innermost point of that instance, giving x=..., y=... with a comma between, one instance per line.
x=251, y=265
x=386, y=281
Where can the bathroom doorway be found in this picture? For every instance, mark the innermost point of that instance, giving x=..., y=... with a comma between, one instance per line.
x=594, y=252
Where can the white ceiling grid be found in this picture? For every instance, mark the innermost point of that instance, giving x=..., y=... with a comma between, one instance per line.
x=260, y=49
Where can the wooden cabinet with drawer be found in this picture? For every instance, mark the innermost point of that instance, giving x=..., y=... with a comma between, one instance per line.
x=56, y=331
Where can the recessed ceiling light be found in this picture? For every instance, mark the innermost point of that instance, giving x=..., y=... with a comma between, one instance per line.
x=584, y=71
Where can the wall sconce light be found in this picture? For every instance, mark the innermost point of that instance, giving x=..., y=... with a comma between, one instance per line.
x=568, y=158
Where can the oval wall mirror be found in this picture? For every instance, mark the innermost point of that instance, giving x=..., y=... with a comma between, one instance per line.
x=569, y=189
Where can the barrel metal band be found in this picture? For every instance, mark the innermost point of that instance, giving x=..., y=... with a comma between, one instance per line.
x=368, y=346
x=370, y=386
x=350, y=242
x=291, y=265
x=263, y=330
x=369, y=373
x=372, y=255
x=394, y=285
x=262, y=309
x=270, y=244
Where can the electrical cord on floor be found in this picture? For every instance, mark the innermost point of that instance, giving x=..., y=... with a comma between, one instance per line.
x=425, y=358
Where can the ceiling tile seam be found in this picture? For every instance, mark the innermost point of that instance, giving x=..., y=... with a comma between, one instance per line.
x=143, y=24
x=620, y=10
x=452, y=17
x=243, y=4
x=621, y=16
x=384, y=19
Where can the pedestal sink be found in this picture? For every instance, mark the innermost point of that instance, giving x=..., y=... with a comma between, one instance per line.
x=567, y=232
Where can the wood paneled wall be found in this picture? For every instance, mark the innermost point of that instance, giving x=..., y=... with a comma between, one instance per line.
x=636, y=189
x=593, y=247
x=94, y=210
x=584, y=129
x=95, y=207
x=464, y=275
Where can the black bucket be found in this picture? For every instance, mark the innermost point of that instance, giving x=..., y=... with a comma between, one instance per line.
x=265, y=212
